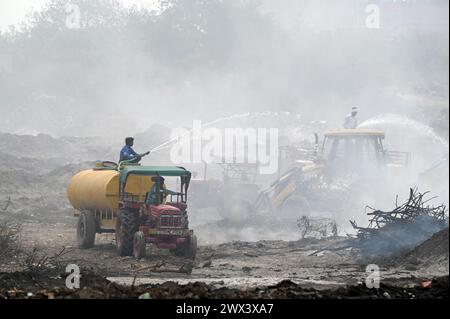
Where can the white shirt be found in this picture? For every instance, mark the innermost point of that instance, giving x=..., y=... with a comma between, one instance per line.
x=350, y=121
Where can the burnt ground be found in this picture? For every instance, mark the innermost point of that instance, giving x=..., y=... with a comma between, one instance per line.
x=30, y=286
x=260, y=269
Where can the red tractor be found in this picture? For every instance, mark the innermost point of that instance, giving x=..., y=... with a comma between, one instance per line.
x=134, y=202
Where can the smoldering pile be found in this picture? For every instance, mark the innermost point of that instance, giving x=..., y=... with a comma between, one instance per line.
x=402, y=228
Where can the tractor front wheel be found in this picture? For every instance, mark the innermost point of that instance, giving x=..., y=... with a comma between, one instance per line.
x=86, y=230
x=126, y=226
x=191, y=250
x=188, y=250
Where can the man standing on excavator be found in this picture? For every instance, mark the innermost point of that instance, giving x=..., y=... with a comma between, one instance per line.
x=351, y=121
x=128, y=154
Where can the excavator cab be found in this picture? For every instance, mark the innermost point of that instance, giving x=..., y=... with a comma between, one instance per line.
x=358, y=152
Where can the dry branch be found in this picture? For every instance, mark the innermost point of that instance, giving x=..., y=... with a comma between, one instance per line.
x=402, y=227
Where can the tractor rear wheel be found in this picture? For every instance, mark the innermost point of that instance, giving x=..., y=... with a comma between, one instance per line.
x=138, y=245
x=86, y=229
x=126, y=226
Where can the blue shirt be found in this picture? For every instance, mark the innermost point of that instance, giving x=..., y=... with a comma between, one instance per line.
x=127, y=153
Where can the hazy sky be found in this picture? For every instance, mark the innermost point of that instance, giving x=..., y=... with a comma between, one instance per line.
x=13, y=12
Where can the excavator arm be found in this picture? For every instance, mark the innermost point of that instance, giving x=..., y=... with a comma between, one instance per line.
x=273, y=197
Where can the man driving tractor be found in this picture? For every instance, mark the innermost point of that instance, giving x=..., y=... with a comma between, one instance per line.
x=152, y=196
x=128, y=154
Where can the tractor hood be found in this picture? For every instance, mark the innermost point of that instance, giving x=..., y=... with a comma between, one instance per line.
x=157, y=210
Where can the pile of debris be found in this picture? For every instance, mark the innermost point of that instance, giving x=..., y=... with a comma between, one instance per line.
x=403, y=228
x=431, y=256
x=433, y=248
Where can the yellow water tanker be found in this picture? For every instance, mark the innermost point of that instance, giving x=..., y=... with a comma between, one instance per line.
x=98, y=190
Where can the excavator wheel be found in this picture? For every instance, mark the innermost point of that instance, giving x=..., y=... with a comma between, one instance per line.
x=126, y=226
x=86, y=229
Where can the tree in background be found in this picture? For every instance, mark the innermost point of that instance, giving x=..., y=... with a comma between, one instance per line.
x=120, y=67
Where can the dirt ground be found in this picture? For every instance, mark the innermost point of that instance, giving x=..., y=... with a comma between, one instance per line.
x=30, y=286
x=233, y=265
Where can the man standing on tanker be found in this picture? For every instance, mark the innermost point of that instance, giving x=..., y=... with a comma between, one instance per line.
x=128, y=154
x=351, y=121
